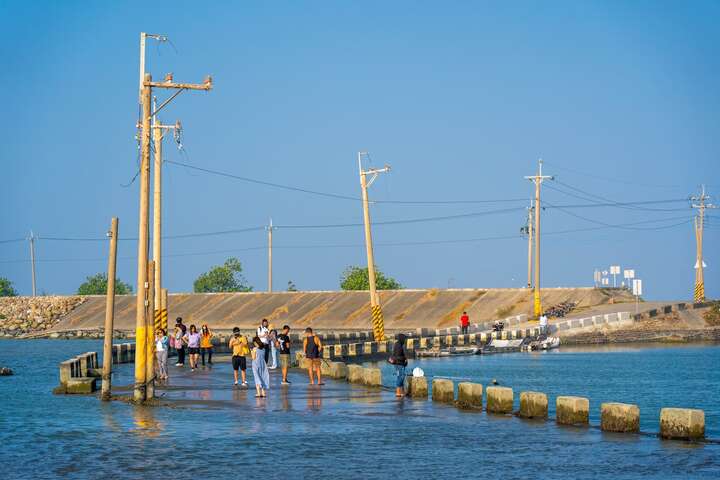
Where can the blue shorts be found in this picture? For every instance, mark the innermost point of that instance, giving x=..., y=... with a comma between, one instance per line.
x=400, y=376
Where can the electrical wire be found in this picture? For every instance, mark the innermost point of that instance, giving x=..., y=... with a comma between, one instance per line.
x=619, y=226
x=625, y=205
x=608, y=179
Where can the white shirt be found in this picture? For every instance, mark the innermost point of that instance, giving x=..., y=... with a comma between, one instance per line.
x=159, y=346
x=543, y=321
x=263, y=333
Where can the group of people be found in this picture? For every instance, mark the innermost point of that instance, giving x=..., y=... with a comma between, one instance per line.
x=268, y=350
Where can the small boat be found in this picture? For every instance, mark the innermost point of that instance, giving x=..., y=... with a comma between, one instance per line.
x=549, y=343
x=451, y=351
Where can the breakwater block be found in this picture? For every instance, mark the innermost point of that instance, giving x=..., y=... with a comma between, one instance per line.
x=619, y=417
x=572, y=410
x=372, y=377
x=533, y=405
x=470, y=395
x=417, y=387
x=81, y=385
x=682, y=423
x=499, y=399
x=354, y=374
x=334, y=369
x=443, y=390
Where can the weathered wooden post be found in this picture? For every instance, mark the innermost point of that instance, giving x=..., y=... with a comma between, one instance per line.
x=109, y=312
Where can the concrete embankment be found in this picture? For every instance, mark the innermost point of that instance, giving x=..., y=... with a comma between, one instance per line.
x=402, y=309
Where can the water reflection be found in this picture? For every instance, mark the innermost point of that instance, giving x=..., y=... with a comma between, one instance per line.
x=314, y=399
x=146, y=425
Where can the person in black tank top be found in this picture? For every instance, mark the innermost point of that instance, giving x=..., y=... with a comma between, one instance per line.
x=312, y=347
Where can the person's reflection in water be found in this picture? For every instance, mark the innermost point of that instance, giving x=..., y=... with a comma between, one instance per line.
x=239, y=394
x=314, y=399
x=204, y=394
x=146, y=425
x=285, y=399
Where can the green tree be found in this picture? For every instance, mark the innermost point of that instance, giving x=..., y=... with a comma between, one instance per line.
x=356, y=278
x=97, y=285
x=223, y=278
x=6, y=288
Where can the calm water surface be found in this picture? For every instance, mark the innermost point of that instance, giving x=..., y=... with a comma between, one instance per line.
x=341, y=431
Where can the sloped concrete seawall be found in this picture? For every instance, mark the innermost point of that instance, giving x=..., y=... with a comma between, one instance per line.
x=402, y=309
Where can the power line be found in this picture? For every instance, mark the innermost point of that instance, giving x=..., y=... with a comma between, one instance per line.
x=611, y=180
x=598, y=222
x=338, y=196
x=612, y=203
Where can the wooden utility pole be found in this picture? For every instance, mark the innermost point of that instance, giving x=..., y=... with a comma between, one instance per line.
x=529, y=230
x=142, y=279
x=375, y=309
x=150, y=332
x=270, y=265
x=32, y=262
x=109, y=312
x=537, y=180
x=700, y=203
x=143, y=334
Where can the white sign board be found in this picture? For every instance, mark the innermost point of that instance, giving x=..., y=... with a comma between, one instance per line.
x=637, y=287
x=605, y=281
x=614, y=269
x=629, y=274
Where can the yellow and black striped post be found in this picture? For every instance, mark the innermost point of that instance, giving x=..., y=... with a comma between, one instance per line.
x=699, y=292
x=378, y=323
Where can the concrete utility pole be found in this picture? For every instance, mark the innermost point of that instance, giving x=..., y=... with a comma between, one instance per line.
x=529, y=230
x=537, y=180
x=164, y=309
x=700, y=203
x=376, y=310
x=158, y=136
x=32, y=262
x=150, y=331
x=109, y=311
x=141, y=321
x=270, y=229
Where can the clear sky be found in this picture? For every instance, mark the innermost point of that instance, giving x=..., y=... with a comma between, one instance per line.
x=619, y=98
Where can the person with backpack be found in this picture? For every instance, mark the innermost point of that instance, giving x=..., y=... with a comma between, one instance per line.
x=399, y=360
x=178, y=335
x=312, y=347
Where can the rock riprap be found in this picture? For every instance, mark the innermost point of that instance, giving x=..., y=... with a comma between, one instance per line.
x=22, y=315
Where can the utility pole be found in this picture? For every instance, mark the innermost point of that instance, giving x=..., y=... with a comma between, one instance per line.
x=164, y=309
x=537, y=180
x=270, y=229
x=375, y=309
x=32, y=262
x=109, y=312
x=141, y=322
x=150, y=334
x=700, y=203
x=158, y=136
x=529, y=230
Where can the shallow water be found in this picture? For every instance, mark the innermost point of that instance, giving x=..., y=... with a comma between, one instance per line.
x=342, y=431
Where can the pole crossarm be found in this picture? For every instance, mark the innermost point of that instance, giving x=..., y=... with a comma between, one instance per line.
x=207, y=85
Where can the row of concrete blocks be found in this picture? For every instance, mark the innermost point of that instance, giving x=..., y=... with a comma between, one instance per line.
x=667, y=309
x=594, y=321
x=79, y=374
x=472, y=328
x=675, y=423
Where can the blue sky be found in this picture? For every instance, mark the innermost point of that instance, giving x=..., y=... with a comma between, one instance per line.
x=619, y=98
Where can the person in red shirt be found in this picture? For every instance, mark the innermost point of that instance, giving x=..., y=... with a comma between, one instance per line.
x=464, y=323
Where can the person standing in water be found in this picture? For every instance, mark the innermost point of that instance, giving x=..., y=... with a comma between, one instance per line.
x=178, y=334
x=273, y=348
x=192, y=340
x=261, y=375
x=162, y=345
x=284, y=341
x=206, y=344
x=239, y=346
x=399, y=360
x=312, y=347
x=263, y=333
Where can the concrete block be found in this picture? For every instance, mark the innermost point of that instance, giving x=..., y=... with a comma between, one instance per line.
x=522, y=318
x=598, y=319
x=611, y=317
x=81, y=385
x=499, y=399
x=533, y=405
x=336, y=370
x=369, y=348
x=587, y=322
x=372, y=377
x=443, y=390
x=453, y=331
x=354, y=373
x=448, y=341
x=625, y=316
x=424, y=343
x=483, y=337
x=382, y=347
x=66, y=368
x=461, y=339
x=575, y=324
x=472, y=339
x=410, y=344
x=417, y=387
x=352, y=349
x=572, y=410
x=339, y=351
x=619, y=417
x=436, y=342
x=682, y=423
x=470, y=395
x=563, y=325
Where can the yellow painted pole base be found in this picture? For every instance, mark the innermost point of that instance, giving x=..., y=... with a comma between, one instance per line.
x=699, y=292
x=537, y=304
x=378, y=323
